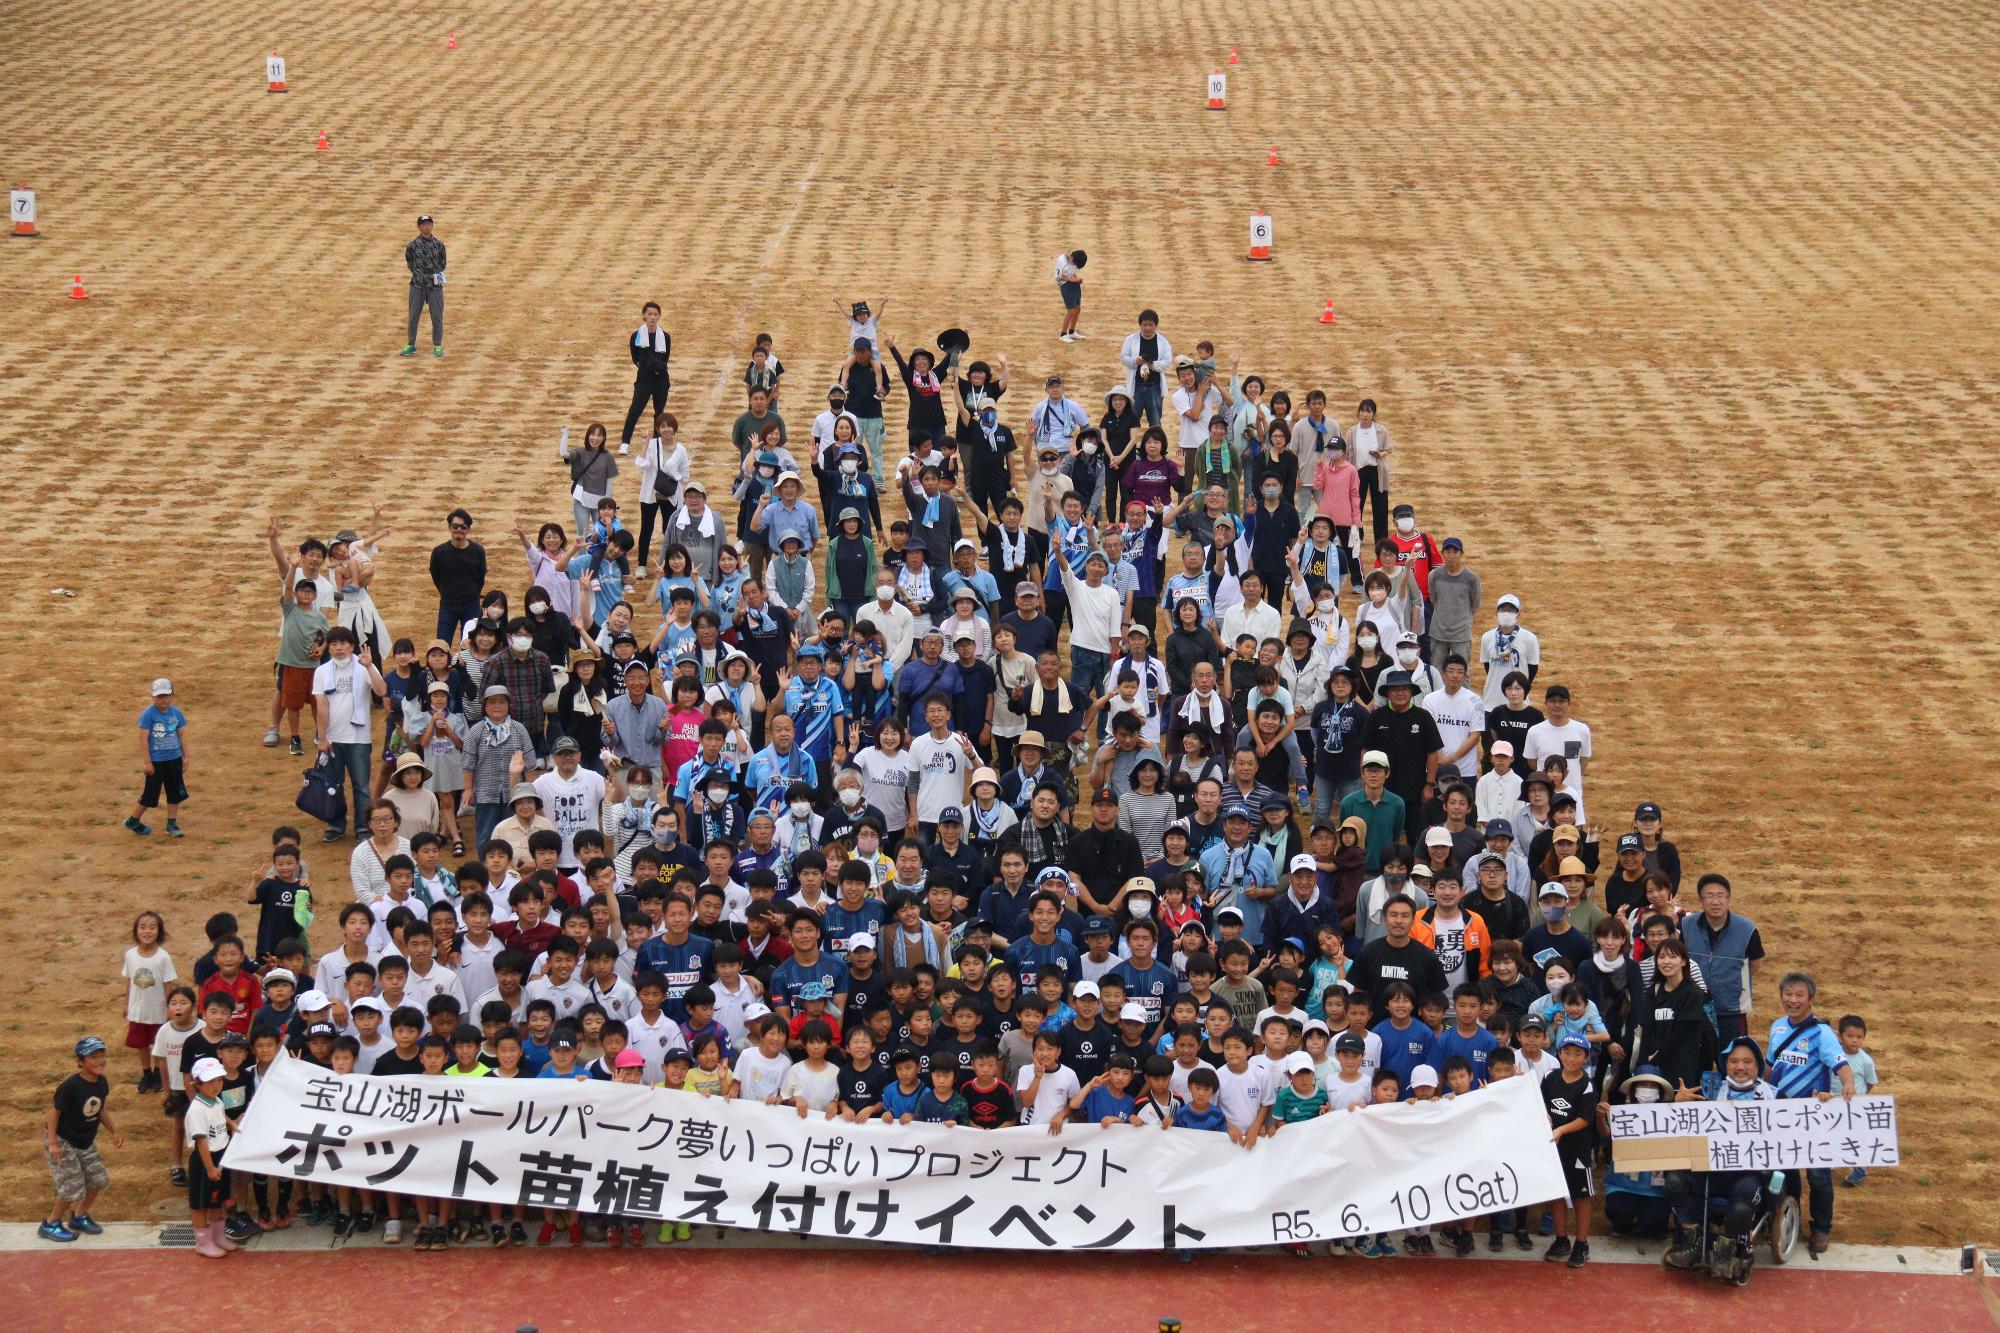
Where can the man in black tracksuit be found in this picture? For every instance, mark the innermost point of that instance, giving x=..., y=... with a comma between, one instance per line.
x=650, y=348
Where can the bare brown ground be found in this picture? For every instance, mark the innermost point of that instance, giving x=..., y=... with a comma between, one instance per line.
x=1682, y=314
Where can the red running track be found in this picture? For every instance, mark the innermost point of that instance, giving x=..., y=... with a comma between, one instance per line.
x=593, y=1288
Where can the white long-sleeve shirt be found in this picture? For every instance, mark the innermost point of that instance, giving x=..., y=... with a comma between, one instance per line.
x=672, y=461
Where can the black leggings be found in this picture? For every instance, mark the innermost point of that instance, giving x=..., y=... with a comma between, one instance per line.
x=645, y=387
x=987, y=489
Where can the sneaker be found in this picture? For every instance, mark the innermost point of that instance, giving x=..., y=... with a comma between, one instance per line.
x=423, y=1241
x=296, y=747
x=392, y=1231
x=517, y=1234
x=1856, y=1176
x=635, y=1235
x=239, y=1228
x=1461, y=1243
x=1579, y=1254
x=365, y=1223
x=666, y=1232
x=1558, y=1250
x=1819, y=1241
x=1548, y=1227
x=1496, y=1241
x=496, y=1235
x=282, y=1222
x=614, y=1236
x=1414, y=1246
x=333, y=834
x=137, y=827
x=1522, y=1241
x=576, y=1233
x=410, y=349
x=173, y=828
x=437, y=351
x=343, y=1226
x=441, y=1237
x=683, y=1231
x=1337, y=1247
x=546, y=1234
x=149, y=1081
x=1383, y=1249
x=1300, y=1251
x=271, y=739
x=177, y=1175
x=458, y=849
x=1185, y=1256
x=55, y=1231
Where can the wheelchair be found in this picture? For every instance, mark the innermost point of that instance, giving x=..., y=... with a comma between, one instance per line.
x=1780, y=1222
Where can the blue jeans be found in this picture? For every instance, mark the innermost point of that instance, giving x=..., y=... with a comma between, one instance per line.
x=352, y=759
x=453, y=614
x=1327, y=796
x=1819, y=1186
x=487, y=816
x=1146, y=397
x=1087, y=669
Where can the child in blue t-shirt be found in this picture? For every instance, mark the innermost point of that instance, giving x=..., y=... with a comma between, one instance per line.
x=1853, y=1032
x=1200, y=1110
x=165, y=760
x=1405, y=1041
x=901, y=1099
x=1107, y=1100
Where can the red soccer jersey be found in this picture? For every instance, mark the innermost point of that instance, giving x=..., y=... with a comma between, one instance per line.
x=1419, y=554
x=244, y=992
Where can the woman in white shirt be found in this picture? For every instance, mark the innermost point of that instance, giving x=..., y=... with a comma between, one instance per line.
x=368, y=868
x=663, y=470
x=1368, y=447
x=885, y=775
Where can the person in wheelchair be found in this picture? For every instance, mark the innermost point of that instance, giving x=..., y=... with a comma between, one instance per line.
x=1741, y=1192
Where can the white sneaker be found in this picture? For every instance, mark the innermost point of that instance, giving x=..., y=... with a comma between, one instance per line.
x=270, y=738
x=392, y=1231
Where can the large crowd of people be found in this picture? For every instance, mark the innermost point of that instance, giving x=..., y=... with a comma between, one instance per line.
x=1135, y=756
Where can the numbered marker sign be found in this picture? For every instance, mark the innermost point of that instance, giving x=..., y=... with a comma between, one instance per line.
x=1218, y=90
x=21, y=203
x=274, y=72
x=1260, y=236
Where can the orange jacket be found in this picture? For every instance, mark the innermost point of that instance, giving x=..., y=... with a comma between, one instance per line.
x=1478, y=940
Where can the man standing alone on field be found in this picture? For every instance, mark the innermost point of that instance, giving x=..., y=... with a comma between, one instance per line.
x=425, y=256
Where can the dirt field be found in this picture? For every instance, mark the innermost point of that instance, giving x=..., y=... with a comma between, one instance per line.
x=1680, y=314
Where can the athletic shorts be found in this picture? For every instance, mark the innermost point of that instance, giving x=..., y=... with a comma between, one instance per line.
x=295, y=687
x=203, y=1193
x=1072, y=294
x=77, y=1171
x=164, y=779
x=1576, y=1177
x=139, y=1036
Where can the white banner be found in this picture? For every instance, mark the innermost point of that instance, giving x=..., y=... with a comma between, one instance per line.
x=629, y=1151
x=1790, y=1134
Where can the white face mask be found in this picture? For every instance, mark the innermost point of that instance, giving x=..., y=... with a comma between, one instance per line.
x=1556, y=983
x=1508, y=620
x=885, y=593
x=1048, y=469
x=1406, y=525
x=1141, y=907
x=850, y=797
x=802, y=810
x=717, y=795
x=521, y=643
x=1271, y=492
x=638, y=795
x=849, y=467
x=1743, y=1085
x=1367, y=640
x=538, y=608
x=1089, y=449
x=1407, y=656
x=1648, y=1093
x=1327, y=605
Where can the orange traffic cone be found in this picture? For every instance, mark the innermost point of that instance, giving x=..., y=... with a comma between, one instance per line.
x=451, y=41
x=1326, y=315
x=1232, y=57
x=76, y=291
x=274, y=73
x=1218, y=91
x=1272, y=160
x=321, y=145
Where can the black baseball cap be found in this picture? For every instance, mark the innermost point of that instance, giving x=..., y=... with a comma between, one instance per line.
x=1349, y=1042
